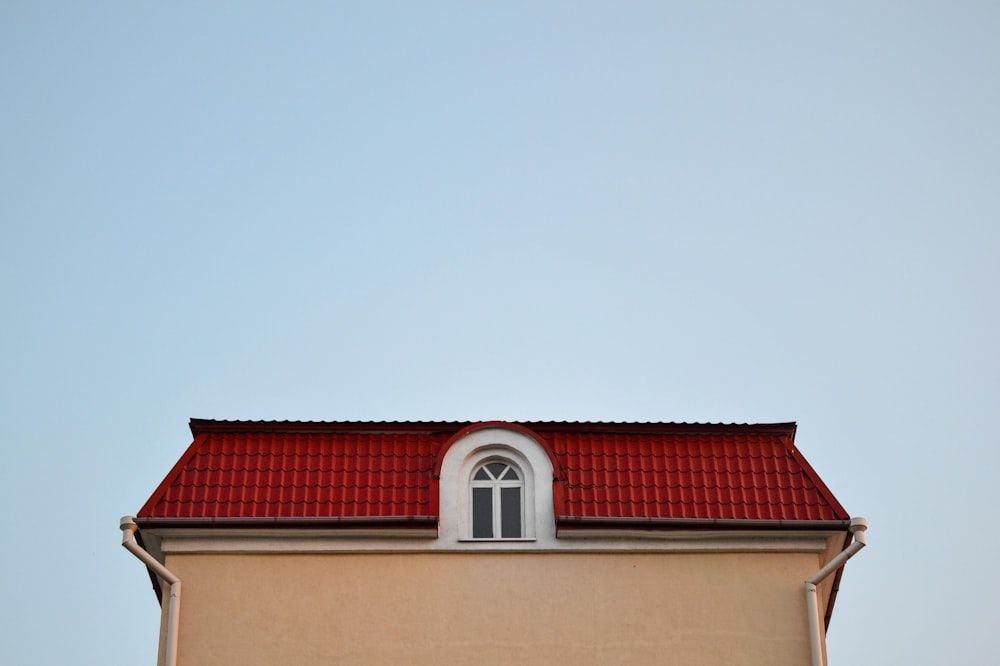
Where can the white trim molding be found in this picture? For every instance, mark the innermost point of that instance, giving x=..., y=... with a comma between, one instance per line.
x=264, y=540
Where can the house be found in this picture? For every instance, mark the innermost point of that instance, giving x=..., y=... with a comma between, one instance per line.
x=493, y=542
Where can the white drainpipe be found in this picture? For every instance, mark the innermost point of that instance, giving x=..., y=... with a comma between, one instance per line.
x=129, y=529
x=857, y=528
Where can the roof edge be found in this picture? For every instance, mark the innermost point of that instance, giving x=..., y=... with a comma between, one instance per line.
x=589, y=522
x=316, y=522
x=199, y=426
x=161, y=490
x=814, y=476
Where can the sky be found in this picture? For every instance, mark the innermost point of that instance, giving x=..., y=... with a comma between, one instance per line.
x=629, y=211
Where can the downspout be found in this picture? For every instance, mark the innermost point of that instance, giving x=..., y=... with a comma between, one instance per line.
x=129, y=529
x=857, y=528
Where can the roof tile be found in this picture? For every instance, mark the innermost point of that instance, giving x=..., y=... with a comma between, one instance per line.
x=300, y=469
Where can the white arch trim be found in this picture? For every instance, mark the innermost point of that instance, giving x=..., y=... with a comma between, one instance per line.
x=464, y=455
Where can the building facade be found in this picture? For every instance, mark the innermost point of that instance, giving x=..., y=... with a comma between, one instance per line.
x=493, y=542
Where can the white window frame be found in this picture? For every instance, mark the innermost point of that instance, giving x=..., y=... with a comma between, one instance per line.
x=496, y=487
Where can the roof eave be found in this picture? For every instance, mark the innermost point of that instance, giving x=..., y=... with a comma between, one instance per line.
x=319, y=522
x=588, y=522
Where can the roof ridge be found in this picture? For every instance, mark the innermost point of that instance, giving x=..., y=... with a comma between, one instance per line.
x=221, y=425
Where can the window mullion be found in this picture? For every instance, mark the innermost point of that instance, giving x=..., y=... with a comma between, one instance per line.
x=523, y=512
x=497, y=512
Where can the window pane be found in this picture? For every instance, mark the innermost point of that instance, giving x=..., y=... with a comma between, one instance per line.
x=511, y=475
x=482, y=513
x=481, y=475
x=510, y=513
x=496, y=469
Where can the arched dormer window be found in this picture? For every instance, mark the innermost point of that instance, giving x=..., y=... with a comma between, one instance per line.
x=497, y=495
x=482, y=505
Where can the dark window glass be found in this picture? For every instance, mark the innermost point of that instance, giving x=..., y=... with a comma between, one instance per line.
x=481, y=475
x=496, y=469
x=510, y=513
x=511, y=475
x=482, y=513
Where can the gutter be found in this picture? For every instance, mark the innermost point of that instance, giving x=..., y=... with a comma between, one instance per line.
x=589, y=522
x=857, y=528
x=322, y=522
x=129, y=529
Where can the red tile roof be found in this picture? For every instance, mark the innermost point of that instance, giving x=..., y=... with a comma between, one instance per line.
x=653, y=474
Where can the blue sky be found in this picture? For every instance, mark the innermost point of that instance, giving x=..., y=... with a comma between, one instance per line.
x=587, y=211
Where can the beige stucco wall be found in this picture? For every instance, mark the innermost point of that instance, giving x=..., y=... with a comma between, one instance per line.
x=493, y=608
